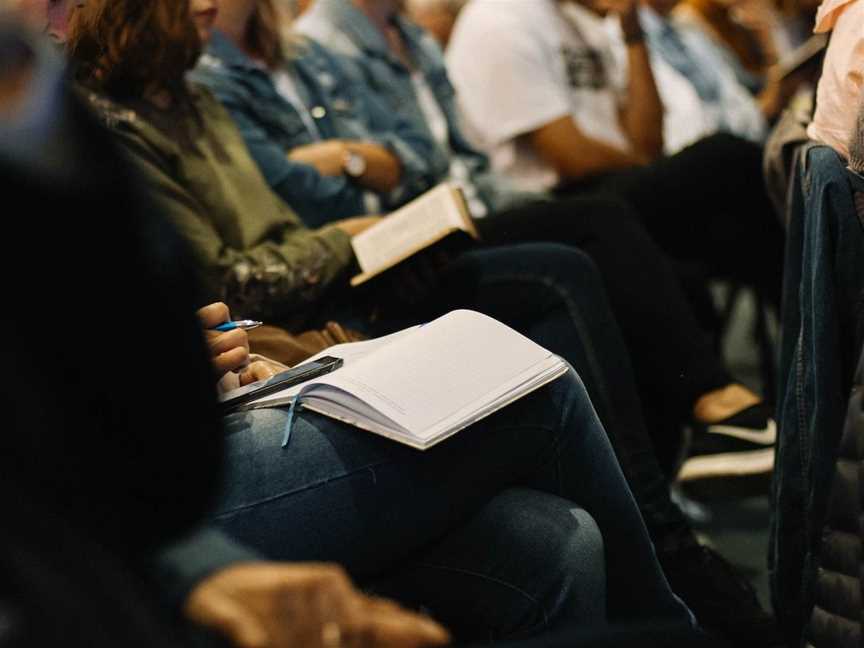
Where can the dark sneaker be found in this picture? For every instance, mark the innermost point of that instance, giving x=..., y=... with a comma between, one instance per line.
x=740, y=445
x=725, y=603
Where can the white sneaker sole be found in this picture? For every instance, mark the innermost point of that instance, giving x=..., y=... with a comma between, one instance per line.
x=732, y=464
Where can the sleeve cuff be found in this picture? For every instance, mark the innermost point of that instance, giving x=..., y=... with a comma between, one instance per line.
x=339, y=243
x=182, y=565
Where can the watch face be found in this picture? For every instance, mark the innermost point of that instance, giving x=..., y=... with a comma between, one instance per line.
x=355, y=165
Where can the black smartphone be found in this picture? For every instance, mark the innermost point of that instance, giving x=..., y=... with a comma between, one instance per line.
x=280, y=381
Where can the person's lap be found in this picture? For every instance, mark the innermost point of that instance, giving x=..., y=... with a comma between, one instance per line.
x=340, y=494
x=707, y=205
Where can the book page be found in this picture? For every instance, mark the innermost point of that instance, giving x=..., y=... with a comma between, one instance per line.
x=420, y=222
x=349, y=352
x=447, y=366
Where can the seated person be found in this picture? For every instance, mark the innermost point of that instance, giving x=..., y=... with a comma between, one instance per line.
x=136, y=480
x=698, y=84
x=252, y=247
x=590, y=131
x=662, y=334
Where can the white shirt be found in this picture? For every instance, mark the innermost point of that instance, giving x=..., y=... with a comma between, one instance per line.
x=520, y=64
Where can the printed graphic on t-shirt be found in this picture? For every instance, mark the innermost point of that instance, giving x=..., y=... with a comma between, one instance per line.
x=584, y=68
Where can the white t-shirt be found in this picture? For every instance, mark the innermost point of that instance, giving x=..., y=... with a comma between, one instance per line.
x=537, y=61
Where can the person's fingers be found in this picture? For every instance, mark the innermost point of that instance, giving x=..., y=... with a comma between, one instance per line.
x=235, y=358
x=226, y=341
x=213, y=315
x=230, y=619
x=386, y=625
x=257, y=371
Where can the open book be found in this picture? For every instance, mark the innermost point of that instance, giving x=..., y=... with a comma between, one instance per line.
x=424, y=384
x=421, y=223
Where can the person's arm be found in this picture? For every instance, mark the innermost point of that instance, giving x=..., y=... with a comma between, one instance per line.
x=574, y=155
x=276, y=277
x=530, y=99
x=422, y=163
x=642, y=114
x=382, y=170
x=318, y=198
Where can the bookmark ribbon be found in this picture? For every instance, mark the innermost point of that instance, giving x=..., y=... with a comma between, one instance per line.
x=292, y=410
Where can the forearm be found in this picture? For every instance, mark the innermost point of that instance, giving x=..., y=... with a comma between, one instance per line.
x=643, y=116
x=383, y=169
x=574, y=155
x=275, y=280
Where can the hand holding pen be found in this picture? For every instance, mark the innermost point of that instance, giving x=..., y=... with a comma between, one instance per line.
x=229, y=344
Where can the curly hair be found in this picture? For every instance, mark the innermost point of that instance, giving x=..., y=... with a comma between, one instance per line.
x=128, y=49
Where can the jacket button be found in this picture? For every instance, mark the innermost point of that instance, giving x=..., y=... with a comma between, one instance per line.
x=318, y=112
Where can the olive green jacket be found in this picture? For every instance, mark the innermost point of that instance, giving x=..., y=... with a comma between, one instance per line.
x=253, y=250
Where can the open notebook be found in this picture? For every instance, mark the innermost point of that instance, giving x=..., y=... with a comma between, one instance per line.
x=424, y=384
x=423, y=222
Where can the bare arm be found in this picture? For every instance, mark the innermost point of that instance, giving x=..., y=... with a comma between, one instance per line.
x=642, y=116
x=574, y=155
x=383, y=169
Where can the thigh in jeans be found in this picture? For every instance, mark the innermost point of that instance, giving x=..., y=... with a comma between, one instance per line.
x=337, y=493
x=524, y=563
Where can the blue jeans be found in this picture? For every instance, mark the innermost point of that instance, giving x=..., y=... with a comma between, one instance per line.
x=555, y=295
x=822, y=333
x=491, y=530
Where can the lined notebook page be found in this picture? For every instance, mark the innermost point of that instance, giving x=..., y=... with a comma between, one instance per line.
x=461, y=358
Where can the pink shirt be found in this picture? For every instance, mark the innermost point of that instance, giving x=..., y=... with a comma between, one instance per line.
x=840, y=88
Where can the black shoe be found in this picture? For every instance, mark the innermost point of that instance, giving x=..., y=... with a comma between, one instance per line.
x=740, y=445
x=725, y=603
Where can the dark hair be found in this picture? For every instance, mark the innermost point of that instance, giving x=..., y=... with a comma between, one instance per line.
x=127, y=49
x=262, y=35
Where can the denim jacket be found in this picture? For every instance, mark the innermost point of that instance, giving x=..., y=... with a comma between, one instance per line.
x=271, y=126
x=343, y=28
x=823, y=332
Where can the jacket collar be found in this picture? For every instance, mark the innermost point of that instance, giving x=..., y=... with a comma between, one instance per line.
x=357, y=26
x=227, y=53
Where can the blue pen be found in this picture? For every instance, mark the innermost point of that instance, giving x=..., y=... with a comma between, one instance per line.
x=246, y=325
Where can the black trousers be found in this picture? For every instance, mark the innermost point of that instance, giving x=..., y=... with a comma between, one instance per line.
x=707, y=205
x=651, y=231
x=673, y=358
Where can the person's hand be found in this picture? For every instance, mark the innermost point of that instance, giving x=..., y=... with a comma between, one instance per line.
x=278, y=605
x=353, y=226
x=327, y=156
x=228, y=351
x=261, y=370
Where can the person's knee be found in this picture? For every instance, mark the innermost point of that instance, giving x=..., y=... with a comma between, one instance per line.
x=559, y=547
